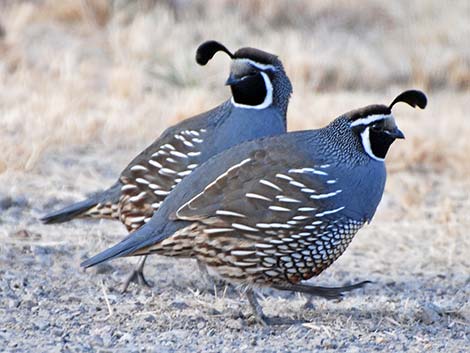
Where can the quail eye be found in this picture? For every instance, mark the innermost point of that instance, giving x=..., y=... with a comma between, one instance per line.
x=376, y=128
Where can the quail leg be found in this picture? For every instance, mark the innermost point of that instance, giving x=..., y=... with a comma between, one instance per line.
x=259, y=314
x=213, y=283
x=256, y=306
x=137, y=275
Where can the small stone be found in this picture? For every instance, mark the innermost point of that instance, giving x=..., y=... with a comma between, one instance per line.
x=234, y=324
x=26, y=235
x=5, y=202
x=179, y=305
x=103, y=268
x=428, y=314
x=150, y=318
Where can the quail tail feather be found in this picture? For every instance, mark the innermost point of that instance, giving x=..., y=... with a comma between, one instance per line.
x=109, y=196
x=135, y=241
x=70, y=212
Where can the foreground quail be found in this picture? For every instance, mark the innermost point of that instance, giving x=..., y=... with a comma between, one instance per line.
x=279, y=210
x=260, y=96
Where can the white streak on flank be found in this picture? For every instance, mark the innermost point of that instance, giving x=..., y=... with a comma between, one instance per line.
x=138, y=167
x=324, y=213
x=135, y=219
x=218, y=230
x=268, y=100
x=307, y=171
x=296, y=183
x=178, y=154
x=226, y=173
x=166, y=171
x=307, y=190
x=229, y=213
x=287, y=199
x=192, y=166
x=194, y=154
x=242, y=252
x=366, y=144
x=184, y=173
x=142, y=181
x=279, y=209
x=189, y=144
x=257, y=196
x=331, y=181
x=263, y=246
x=154, y=186
x=243, y=264
x=171, y=160
x=156, y=205
x=271, y=185
x=300, y=218
x=370, y=119
x=273, y=225
x=193, y=132
x=324, y=196
x=155, y=163
x=213, y=183
x=282, y=176
x=306, y=209
x=203, y=130
x=244, y=227
x=179, y=137
x=292, y=222
x=169, y=146
x=323, y=166
x=177, y=180
x=161, y=192
x=316, y=223
x=128, y=187
x=197, y=140
x=147, y=219
x=137, y=197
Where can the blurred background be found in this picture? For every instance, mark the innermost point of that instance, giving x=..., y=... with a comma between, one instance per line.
x=104, y=74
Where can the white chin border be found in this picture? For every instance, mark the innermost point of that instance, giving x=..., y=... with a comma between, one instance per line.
x=366, y=144
x=268, y=100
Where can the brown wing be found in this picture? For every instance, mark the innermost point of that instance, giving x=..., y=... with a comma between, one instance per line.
x=154, y=174
x=273, y=215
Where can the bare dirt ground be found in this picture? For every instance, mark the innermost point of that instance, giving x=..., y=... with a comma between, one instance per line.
x=84, y=86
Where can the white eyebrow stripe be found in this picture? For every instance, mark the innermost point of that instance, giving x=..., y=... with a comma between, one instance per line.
x=256, y=64
x=371, y=119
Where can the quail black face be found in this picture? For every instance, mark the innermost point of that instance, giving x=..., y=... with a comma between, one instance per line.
x=253, y=75
x=250, y=83
x=376, y=125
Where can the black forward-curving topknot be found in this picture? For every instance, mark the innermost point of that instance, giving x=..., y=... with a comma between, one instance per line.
x=207, y=50
x=411, y=97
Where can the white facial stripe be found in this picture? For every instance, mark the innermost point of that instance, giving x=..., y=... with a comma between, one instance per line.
x=370, y=119
x=259, y=66
x=267, y=100
x=366, y=144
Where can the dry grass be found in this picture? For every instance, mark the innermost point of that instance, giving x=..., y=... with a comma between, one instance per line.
x=87, y=84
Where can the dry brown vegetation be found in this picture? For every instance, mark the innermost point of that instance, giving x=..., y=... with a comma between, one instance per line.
x=85, y=85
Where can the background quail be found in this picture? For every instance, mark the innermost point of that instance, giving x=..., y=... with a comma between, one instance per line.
x=278, y=210
x=260, y=96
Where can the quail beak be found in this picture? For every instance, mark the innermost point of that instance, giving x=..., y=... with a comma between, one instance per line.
x=396, y=133
x=232, y=80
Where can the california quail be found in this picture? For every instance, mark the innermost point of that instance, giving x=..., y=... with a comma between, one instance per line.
x=260, y=96
x=278, y=210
